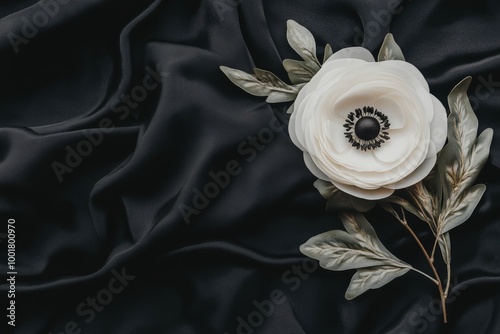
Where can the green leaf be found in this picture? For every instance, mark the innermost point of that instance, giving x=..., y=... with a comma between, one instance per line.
x=478, y=157
x=328, y=53
x=372, y=278
x=302, y=41
x=358, y=248
x=249, y=83
x=462, y=122
x=263, y=83
x=271, y=80
x=445, y=246
x=454, y=159
x=339, y=200
x=338, y=250
x=459, y=169
x=449, y=169
x=461, y=160
x=461, y=210
x=298, y=71
x=390, y=50
x=357, y=226
x=406, y=205
x=278, y=97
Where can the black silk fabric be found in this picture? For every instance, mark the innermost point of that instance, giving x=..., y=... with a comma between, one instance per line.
x=151, y=195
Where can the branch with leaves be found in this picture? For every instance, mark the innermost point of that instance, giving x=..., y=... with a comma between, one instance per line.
x=444, y=200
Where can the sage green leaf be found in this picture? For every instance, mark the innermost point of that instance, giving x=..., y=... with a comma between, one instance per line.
x=456, y=166
x=461, y=160
x=478, y=157
x=341, y=201
x=263, y=83
x=338, y=250
x=390, y=50
x=302, y=41
x=358, y=248
x=290, y=109
x=462, y=122
x=280, y=91
x=249, y=83
x=278, y=97
x=449, y=168
x=445, y=246
x=299, y=71
x=356, y=225
x=270, y=79
x=460, y=172
x=461, y=210
x=372, y=278
x=426, y=200
x=405, y=204
x=328, y=53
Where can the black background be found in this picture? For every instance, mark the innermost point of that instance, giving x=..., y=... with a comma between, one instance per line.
x=119, y=208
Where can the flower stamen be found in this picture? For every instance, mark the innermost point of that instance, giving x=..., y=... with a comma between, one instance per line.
x=367, y=128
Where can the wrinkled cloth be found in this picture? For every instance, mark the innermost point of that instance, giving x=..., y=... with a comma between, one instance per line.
x=151, y=195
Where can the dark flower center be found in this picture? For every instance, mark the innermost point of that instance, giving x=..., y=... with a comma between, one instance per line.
x=367, y=128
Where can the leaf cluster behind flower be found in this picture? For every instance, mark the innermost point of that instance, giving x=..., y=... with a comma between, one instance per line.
x=300, y=72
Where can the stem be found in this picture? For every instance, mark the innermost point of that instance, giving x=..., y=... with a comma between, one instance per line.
x=404, y=222
x=424, y=274
x=448, y=280
x=439, y=283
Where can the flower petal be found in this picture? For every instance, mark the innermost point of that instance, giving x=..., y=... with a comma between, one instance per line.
x=334, y=134
x=376, y=194
x=355, y=52
x=313, y=168
x=439, y=124
x=418, y=174
x=398, y=147
x=405, y=70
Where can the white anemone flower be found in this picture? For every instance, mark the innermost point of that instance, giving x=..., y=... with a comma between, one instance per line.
x=368, y=127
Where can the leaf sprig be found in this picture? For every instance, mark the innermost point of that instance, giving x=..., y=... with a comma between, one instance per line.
x=300, y=72
x=359, y=248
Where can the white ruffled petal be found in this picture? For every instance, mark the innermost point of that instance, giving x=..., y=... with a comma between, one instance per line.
x=439, y=124
x=418, y=174
x=400, y=145
x=334, y=135
x=313, y=168
x=355, y=52
x=404, y=70
x=376, y=194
